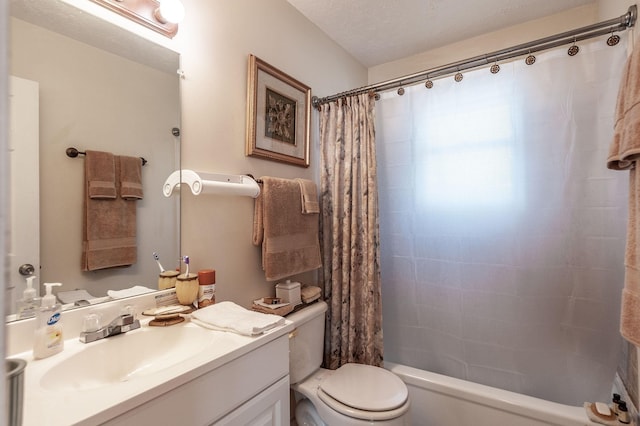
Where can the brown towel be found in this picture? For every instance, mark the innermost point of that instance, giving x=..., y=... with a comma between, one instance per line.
x=100, y=174
x=309, y=196
x=623, y=154
x=625, y=147
x=309, y=293
x=290, y=243
x=282, y=310
x=109, y=231
x=130, y=177
x=258, y=209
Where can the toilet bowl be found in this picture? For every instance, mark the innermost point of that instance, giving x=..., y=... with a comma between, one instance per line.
x=353, y=394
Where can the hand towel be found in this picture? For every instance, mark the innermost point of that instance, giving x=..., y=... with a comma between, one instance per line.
x=72, y=296
x=309, y=196
x=109, y=231
x=100, y=174
x=130, y=177
x=623, y=154
x=227, y=316
x=281, y=309
x=310, y=293
x=625, y=147
x=136, y=290
x=290, y=240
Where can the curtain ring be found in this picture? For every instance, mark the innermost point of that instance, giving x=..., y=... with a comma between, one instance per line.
x=530, y=60
x=573, y=50
x=428, y=84
x=613, y=39
x=495, y=68
x=401, y=91
x=458, y=77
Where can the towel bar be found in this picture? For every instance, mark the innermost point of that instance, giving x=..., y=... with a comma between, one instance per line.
x=73, y=153
x=211, y=183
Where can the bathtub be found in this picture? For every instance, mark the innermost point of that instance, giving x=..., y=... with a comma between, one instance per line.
x=438, y=400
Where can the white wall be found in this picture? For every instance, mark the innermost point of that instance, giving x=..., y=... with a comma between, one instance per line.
x=215, y=40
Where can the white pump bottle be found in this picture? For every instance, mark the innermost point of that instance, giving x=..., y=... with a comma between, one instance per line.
x=48, y=336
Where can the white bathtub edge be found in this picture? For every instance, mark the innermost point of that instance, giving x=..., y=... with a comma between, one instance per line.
x=501, y=400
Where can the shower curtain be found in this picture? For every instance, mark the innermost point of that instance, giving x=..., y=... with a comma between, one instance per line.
x=350, y=233
x=502, y=231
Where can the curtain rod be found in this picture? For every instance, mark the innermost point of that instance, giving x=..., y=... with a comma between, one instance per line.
x=620, y=23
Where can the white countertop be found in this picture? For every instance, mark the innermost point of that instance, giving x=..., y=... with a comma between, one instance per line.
x=93, y=406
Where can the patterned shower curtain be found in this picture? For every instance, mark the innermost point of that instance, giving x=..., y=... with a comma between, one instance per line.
x=350, y=233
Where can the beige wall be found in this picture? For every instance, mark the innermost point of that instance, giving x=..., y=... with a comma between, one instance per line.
x=485, y=43
x=215, y=41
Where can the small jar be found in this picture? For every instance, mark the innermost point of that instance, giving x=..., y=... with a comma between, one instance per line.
x=614, y=403
x=207, y=287
x=187, y=288
x=623, y=414
x=167, y=279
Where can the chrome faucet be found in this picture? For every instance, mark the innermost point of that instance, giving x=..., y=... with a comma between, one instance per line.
x=121, y=324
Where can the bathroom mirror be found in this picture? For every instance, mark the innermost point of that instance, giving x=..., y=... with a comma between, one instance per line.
x=97, y=87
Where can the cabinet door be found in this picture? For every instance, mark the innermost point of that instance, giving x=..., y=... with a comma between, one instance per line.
x=269, y=408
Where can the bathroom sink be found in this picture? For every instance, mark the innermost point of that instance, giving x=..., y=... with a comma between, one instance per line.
x=126, y=357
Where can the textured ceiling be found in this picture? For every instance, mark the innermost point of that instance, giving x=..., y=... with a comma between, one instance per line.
x=379, y=31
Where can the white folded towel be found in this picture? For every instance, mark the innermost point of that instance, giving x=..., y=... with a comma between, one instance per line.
x=128, y=292
x=227, y=316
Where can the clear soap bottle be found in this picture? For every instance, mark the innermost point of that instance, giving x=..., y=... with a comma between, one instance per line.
x=29, y=304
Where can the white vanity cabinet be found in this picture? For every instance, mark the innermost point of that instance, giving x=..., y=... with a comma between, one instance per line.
x=252, y=389
x=179, y=375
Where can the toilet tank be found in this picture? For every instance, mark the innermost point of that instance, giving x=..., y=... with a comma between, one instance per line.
x=306, y=341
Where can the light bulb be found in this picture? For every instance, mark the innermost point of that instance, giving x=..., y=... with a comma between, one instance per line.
x=170, y=11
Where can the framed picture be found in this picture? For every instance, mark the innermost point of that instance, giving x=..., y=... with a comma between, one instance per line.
x=278, y=115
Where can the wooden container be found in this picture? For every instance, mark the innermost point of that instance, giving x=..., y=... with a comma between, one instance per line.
x=187, y=288
x=167, y=279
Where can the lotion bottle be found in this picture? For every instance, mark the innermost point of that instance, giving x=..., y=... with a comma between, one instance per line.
x=29, y=303
x=48, y=336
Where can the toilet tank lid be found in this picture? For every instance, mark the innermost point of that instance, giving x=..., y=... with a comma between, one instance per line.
x=366, y=387
x=307, y=313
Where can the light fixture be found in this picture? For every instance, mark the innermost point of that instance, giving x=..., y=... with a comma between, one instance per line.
x=159, y=15
x=171, y=11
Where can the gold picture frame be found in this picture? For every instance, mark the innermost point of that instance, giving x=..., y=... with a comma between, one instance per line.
x=278, y=115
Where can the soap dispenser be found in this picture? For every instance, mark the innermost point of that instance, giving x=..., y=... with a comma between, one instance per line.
x=29, y=303
x=48, y=336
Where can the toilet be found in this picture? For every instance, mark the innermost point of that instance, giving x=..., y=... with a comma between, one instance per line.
x=354, y=394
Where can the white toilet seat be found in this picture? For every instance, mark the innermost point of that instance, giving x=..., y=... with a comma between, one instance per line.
x=375, y=416
x=365, y=392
